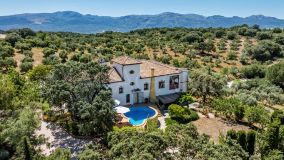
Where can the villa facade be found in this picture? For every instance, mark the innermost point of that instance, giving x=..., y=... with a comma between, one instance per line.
x=138, y=81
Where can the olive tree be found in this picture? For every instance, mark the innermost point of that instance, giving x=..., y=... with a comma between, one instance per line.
x=80, y=89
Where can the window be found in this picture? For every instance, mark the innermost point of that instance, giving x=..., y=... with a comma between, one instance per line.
x=162, y=84
x=132, y=83
x=174, y=82
x=120, y=90
x=146, y=86
x=128, y=98
x=131, y=72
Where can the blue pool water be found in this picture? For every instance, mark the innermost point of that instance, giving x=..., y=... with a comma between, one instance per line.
x=137, y=115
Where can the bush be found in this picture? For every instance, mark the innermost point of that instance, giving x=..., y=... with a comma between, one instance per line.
x=6, y=51
x=181, y=114
x=51, y=60
x=265, y=50
x=45, y=108
x=73, y=128
x=170, y=121
x=28, y=53
x=279, y=40
x=275, y=74
x=152, y=124
x=125, y=128
x=232, y=134
x=48, y=52
x=253, y=71
x=231, y=35
x=263, y=35
x=185, y=99
x=26, y=66
x=232, y=55
x=7, y=62
x=39, y=72
x=27, y=59
x=278, y=115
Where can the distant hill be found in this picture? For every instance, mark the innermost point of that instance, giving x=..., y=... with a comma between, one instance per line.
x=76, y=22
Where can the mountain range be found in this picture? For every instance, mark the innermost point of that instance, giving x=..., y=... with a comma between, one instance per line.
x=69, y=21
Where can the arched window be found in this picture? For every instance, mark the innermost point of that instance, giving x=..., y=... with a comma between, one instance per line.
x=120, y=90
x=132, y=83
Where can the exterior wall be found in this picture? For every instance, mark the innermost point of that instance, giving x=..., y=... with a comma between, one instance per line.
x=184, y=80
x=139, y=84
x=166, y=90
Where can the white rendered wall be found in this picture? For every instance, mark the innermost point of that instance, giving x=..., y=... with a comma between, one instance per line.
x=139, y=84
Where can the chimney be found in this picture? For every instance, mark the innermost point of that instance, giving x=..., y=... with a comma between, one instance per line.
x=152, y=87
x=152, y=71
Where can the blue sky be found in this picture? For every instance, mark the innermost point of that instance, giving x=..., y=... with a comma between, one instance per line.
x=241, y=8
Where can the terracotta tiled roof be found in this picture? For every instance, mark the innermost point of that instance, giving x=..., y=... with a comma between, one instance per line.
x=114, y=76
x=160, y=69
x=125, y=60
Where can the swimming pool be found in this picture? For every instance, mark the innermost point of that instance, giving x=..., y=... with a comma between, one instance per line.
x=138, y=115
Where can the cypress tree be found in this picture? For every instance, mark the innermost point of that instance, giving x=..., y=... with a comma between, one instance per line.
x=272, y=135
x=27, y=149
x=232, y=134
x=242, y=139
x=251, y=142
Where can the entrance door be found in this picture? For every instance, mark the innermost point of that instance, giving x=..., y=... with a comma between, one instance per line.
x=136, y=97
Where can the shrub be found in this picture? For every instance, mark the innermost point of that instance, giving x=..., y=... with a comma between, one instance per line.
x=76, y=57
x=51, y=60
x=232, y=55
x=278, y=115
x=6, y=51
x=170, y=121
x=125, y=128
x=181, y=114
x=275, y=74
x=7, y=62
x=73, y=128
x=194, y=116
x=27, y=59
x=152, y=124
x=185, y=99
x=26, y=66
x=244, y=58
x=232, y=134
x=48, y=52
x=239, y=112
x=263, y=35
x=28, y=53
x=231, y=35
x=253, y=71
x=265, y=50
x=39, y=72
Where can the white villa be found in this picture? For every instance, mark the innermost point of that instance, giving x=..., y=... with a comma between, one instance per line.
x=138, y=81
